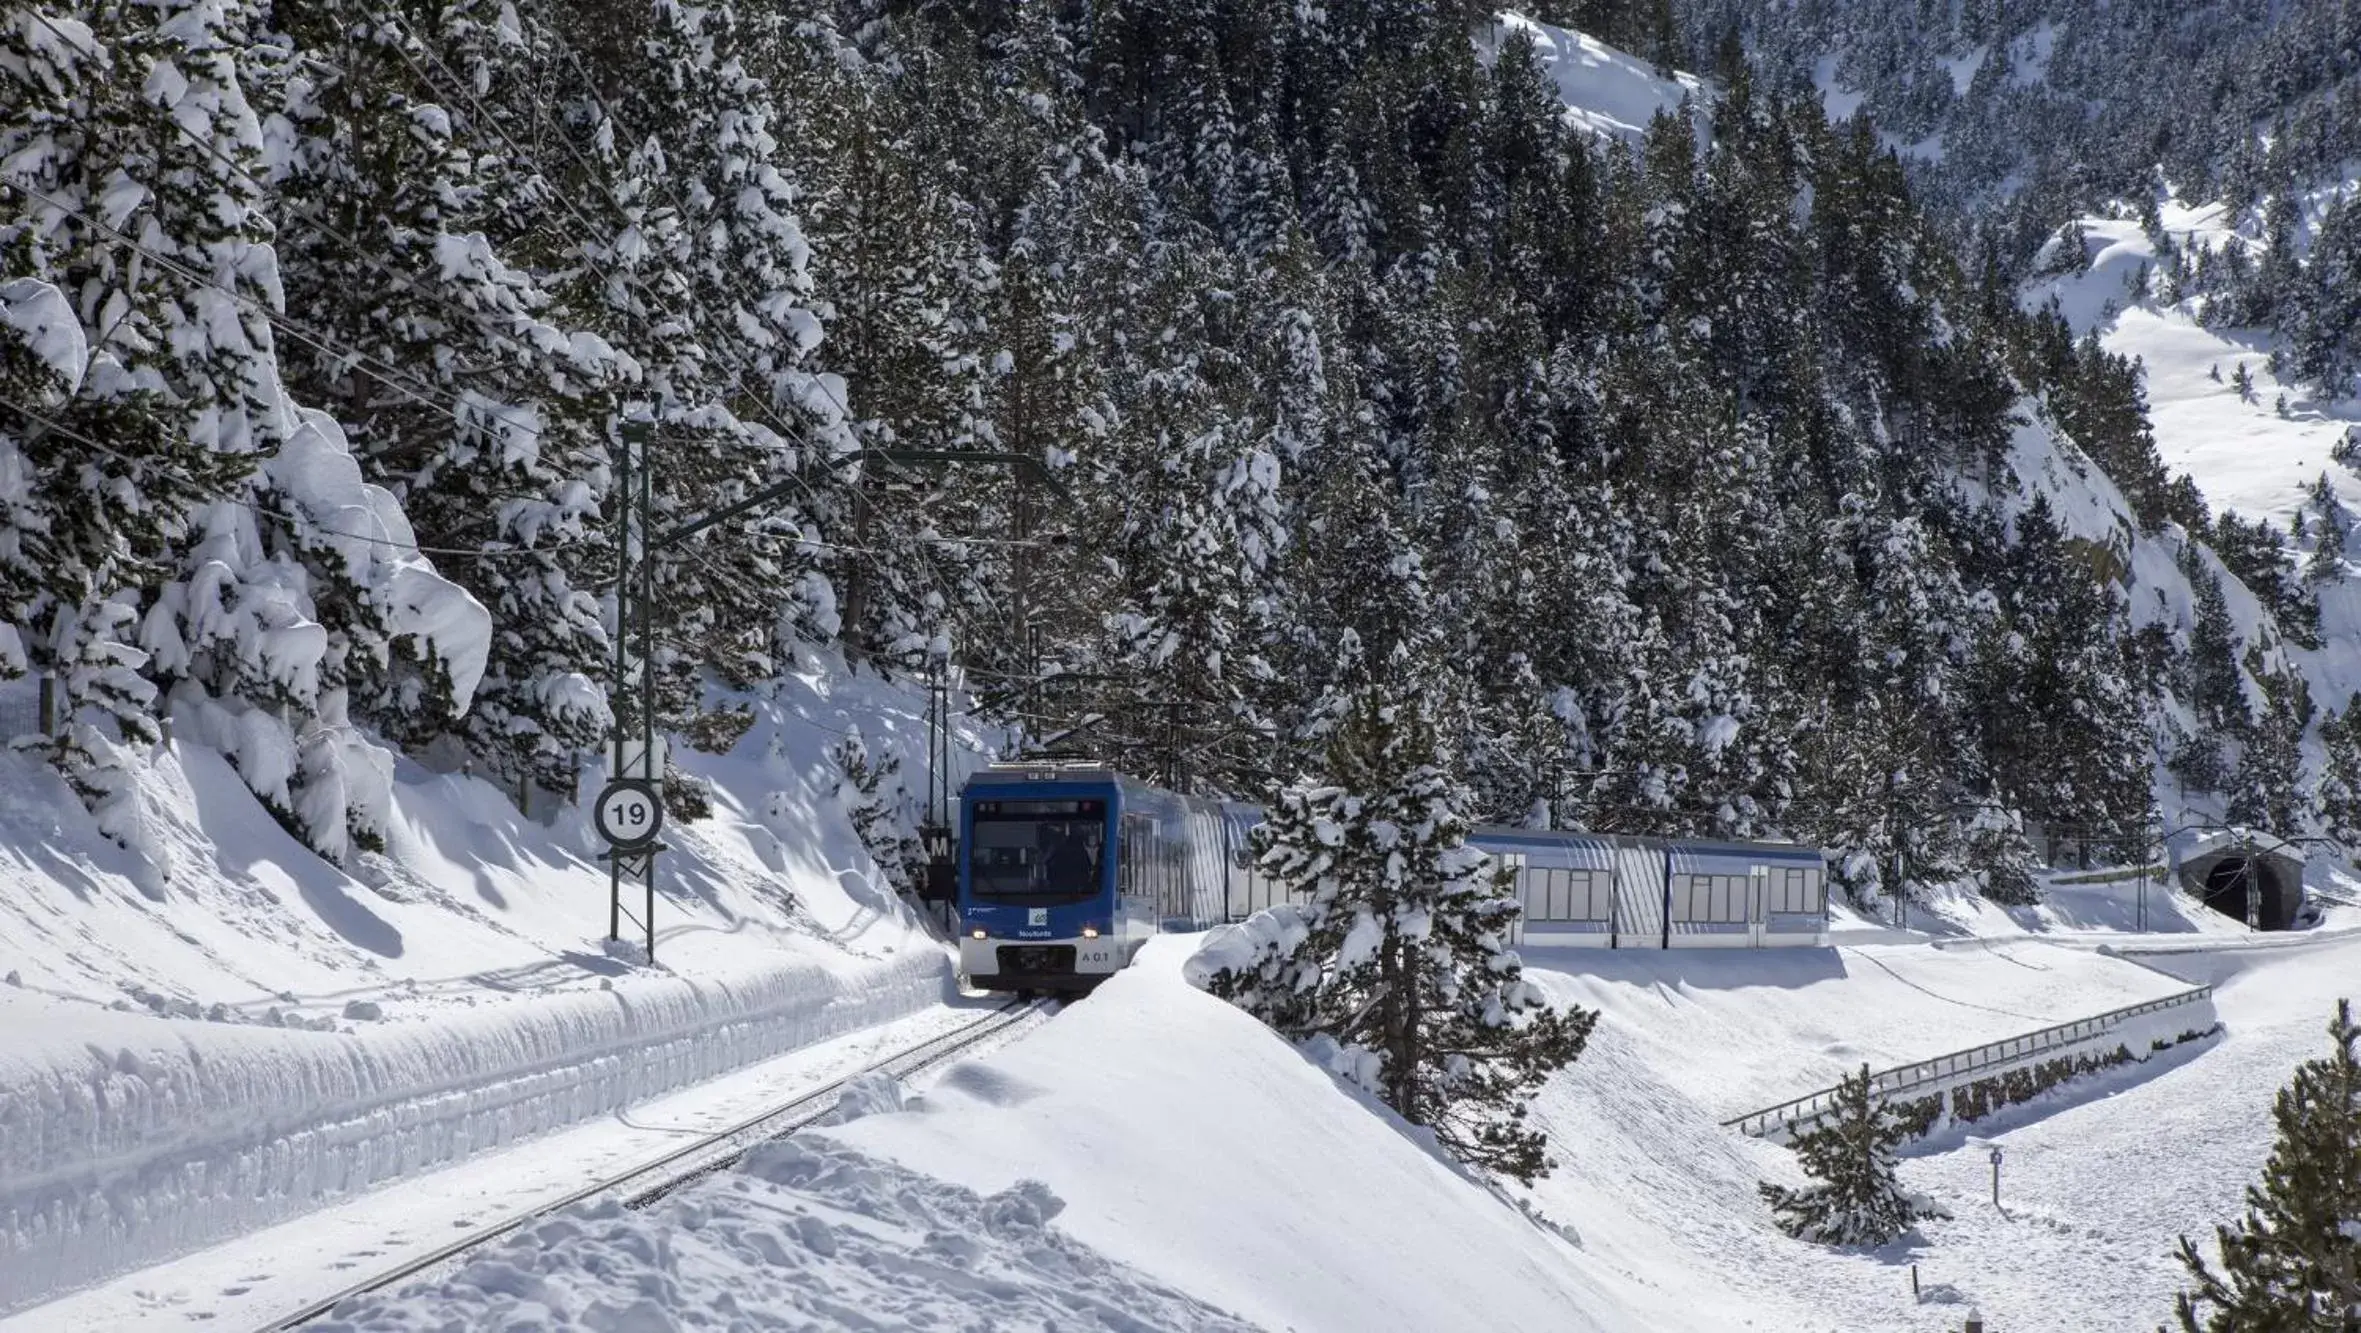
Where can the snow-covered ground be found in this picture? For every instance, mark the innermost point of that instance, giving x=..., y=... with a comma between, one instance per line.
x=1608, y=92
x=2243, y=453
x=1736, y=1032
x=2095, y=1188
x=255, y=1034
x=250, y=1280
x=1194, y=1172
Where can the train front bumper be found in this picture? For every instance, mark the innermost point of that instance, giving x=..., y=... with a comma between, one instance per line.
x=1056, y=964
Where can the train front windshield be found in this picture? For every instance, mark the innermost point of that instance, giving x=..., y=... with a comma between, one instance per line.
x=1036, y=852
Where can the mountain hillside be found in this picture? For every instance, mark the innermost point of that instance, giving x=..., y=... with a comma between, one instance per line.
x=1157, y=374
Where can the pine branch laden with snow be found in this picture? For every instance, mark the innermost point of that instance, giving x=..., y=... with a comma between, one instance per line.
x=1392, y=967
x=870, y=792
x=466, y=388
x=2294, y=1260
x=1857, y=1197
x=165, y=443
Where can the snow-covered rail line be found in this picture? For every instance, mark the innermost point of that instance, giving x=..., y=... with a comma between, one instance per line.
x=704, y=1156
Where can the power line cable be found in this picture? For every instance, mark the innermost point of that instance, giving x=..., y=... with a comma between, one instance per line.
x=318, y=342
x=303, y=523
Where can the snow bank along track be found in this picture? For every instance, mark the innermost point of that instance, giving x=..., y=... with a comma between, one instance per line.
x=126, y=1141
x=650, y=1181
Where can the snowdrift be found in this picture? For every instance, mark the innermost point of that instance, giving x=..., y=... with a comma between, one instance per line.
x=128, y=1140
x=1152, y=1154
x=1189, y=1142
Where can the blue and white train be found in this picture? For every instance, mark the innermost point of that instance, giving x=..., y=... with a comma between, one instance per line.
x=1064, y=869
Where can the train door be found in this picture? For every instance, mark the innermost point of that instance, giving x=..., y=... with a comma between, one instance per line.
x=1640, y=888
x=1136, y=893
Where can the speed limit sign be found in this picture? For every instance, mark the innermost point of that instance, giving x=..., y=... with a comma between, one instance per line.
x=628, y=813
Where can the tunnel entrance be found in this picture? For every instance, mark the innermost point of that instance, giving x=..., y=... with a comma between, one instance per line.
x=2281, y=893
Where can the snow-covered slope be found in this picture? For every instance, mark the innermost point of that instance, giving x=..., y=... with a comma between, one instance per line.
x=471, y=903
x=1189, y=1162
x=2242, y=452
x=1189, y=1142
x=1738, y=1033
x=1607, y=92
x=258, y=1033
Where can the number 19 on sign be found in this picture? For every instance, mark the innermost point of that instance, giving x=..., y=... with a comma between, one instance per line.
x=628, y=813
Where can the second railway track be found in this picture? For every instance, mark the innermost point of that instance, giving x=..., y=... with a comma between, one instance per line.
x=710, y=1153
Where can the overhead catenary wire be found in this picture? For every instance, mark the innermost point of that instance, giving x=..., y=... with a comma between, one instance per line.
x=406, y=385
x=322, y=343
x=303, y=521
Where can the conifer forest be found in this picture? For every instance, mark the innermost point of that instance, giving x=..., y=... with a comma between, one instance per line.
x=1152, y=372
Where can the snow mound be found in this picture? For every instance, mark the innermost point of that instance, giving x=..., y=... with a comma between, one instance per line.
x=873, y=1093
x=129, y=1139
x=805, y=1234
x=1193, y=1144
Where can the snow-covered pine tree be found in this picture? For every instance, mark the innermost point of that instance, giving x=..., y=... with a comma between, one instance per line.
x=1058, y=223
x=2210, y=681
x=83, y=525
x=2062, y=732
x=2267, y=792
x=278, y=577
x=2327, y=561
x=1398, y=965
x=412, y=228
x=2293, y=1262
x=870, y=791
x=1199, y=532
x=898, y=260
x=2339, y=791
x=1893, y=794
x=1857, y=1197
x=1995, y=850
x=704, y=269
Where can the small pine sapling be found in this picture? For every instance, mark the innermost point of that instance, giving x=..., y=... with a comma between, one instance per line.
x=1856, y=1198
x=2294, y=1261
x=872, y=796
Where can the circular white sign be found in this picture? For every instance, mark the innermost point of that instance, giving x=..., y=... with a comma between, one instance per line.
x=628, y=813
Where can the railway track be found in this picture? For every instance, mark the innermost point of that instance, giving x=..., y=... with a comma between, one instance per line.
x=711, y=1153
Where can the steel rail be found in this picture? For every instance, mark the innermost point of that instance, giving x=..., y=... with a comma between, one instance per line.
x=711, y=1153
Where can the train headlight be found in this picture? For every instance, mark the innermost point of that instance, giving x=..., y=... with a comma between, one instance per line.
x=981, y=933
x=1090, y=932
